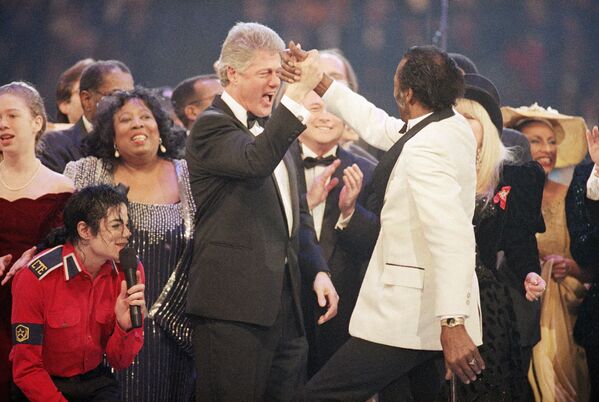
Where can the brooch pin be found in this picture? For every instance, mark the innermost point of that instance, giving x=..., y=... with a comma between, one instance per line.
x=501, y=196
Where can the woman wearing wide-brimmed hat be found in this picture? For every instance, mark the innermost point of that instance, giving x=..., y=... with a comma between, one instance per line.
x=558, y=369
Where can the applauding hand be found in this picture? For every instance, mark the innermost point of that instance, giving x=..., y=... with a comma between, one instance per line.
x=322, y=185
x=352, y=180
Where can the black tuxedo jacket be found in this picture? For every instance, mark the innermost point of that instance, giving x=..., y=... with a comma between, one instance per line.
x=347, y=257
x=242, y=243
x=57, y=148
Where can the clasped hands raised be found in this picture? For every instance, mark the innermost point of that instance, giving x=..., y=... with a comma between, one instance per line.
x=301, y=69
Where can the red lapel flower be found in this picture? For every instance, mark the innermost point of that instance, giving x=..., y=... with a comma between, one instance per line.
x=501, y=196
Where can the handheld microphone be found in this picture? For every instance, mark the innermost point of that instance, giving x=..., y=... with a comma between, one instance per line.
x=128, y=261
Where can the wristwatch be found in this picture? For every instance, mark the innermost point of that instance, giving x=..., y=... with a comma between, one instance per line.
x=452, y=322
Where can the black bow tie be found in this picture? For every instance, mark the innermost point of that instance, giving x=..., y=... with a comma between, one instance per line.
x=310, y=162
x=260, y=120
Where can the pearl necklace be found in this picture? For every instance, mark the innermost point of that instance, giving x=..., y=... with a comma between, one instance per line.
x=39, y=166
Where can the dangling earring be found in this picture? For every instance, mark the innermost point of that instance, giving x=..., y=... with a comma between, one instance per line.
x=478, y=161
x=162, y=147
x=116, y=152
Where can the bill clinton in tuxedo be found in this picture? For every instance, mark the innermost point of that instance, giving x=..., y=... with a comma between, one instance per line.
x=420, y=294
x=251, y=236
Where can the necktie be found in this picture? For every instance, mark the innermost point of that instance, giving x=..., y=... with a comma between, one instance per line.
x=310, y=162
x=253, y=118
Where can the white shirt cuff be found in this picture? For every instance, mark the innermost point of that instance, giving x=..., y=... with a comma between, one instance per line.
x=593, y=185
x=297, y=109
x=343, y=222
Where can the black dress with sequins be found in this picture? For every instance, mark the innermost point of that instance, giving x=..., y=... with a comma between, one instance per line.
x=507, y=222
x=162, y=371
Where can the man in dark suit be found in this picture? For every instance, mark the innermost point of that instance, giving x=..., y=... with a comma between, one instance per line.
x=333, y=180
x=57, y=148
x=193, y=95
x=252, y=235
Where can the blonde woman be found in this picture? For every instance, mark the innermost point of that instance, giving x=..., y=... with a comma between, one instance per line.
x=506, y=218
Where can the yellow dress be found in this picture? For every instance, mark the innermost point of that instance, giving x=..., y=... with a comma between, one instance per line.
x=558, y=369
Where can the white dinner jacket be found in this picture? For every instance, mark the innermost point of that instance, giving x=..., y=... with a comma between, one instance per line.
x=422, y=267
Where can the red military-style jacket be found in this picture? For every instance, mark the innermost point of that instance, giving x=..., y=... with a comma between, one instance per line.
x=63, y=322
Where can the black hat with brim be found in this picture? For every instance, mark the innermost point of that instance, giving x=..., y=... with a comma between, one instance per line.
x=482, y=90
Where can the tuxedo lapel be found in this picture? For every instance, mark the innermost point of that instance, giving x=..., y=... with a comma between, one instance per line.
x=294, y=192
x=382, y=172
x=218, y=103
x=296, y=156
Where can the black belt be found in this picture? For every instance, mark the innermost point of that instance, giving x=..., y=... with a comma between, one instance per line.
x=98, y=371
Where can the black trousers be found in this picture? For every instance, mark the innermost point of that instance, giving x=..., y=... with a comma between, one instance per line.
x=360, y=369
x=97, y=385
x=241, y=362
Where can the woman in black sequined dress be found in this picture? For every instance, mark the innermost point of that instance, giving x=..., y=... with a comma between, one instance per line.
x=132, y=144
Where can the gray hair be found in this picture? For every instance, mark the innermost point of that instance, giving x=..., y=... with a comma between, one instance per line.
x=242, y=41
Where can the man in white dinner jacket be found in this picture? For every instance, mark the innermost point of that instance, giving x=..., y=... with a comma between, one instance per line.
x=420, y=293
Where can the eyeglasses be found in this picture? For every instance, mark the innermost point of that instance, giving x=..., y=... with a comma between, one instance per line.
x=103, y=94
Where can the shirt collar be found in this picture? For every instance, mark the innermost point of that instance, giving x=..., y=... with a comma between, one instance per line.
x=87, y=124
x=413, y=122
x=73, y=267
x=307, y=152
x=239, y=111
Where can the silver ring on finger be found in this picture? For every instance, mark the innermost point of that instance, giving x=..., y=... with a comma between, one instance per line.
x=472, y=362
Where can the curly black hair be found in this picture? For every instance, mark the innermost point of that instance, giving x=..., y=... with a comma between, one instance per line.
x=100, y=142
x=433, y=77
x=89, y=205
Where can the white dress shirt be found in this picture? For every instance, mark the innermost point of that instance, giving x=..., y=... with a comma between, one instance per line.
x=318, y=211
x=281, y=173
x=87, y=124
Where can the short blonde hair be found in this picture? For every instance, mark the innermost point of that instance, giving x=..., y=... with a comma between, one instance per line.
x=492, y=154
x=243, y=40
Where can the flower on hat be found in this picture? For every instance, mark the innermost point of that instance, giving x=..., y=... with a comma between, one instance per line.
x=535, y=107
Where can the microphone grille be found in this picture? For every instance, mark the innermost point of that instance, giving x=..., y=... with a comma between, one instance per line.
x=128, y=258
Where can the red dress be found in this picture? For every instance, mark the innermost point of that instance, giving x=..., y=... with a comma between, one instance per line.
x=23, y=223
